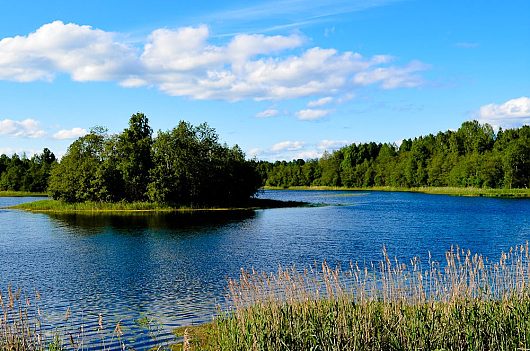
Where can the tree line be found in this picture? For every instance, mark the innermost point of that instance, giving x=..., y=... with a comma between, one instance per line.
x=184, y=166
x=474, y=155
x=187, y=165
x=26, y=174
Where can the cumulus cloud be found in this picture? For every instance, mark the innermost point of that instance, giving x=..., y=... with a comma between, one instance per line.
x=514, y=112
x=271, y=112
x=28, y=128
x=287, y=145
x=330, y=145
x=320, y=102
x=184, y=62
x=70, y=133
x=311, y=114
x=86, y=54
x=293, y=150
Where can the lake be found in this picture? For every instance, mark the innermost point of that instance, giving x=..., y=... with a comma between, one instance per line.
x=173, y=267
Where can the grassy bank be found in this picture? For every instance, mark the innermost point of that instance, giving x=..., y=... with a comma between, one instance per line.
x=454, y=191
x=55, y=206
x=21, y=194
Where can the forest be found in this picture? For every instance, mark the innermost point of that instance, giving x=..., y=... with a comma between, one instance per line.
x=472, y=156
x=19, y=173
x=189, y=166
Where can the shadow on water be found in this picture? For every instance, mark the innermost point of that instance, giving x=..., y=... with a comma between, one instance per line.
x=174, y=222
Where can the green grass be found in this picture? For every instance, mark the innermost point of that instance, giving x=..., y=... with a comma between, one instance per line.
x=469, y=303
x=55, y=206
x=454, y=191
x=6, y=193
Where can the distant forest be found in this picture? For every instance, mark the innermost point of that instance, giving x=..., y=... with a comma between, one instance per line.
x=472, y=156
x=188, y=166
x=26, y=174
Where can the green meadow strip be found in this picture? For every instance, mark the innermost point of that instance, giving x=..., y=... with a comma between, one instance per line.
x=454, y=191
x=56, y=206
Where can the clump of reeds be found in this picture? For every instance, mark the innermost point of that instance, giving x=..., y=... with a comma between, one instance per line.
x=468, y=303
x=23, y=327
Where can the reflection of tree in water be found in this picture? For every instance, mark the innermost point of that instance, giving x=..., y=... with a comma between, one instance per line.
x=177, y=221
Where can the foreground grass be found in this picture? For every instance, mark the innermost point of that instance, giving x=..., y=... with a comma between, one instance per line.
x=55, y=206
x=455, y=191
x=5, y=193
x=467, y=303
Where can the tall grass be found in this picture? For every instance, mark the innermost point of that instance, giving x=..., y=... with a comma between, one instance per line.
x=465, y=303
x=469, y=303
x=24, y=327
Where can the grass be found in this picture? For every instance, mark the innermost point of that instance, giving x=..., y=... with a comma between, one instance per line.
x=465, y=303
x=454, y=191
x=6, y=193
x=469, y=303
x=55, y=206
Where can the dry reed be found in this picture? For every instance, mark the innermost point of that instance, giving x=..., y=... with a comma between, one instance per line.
x=469, y=303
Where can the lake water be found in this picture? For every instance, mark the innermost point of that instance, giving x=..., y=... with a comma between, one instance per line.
x=173, y=268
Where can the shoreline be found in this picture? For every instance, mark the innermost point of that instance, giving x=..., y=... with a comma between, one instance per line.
x=91, y=208
x=452, y=191
x=9, y=193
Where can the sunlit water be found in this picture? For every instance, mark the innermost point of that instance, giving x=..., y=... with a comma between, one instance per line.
x=173, y=268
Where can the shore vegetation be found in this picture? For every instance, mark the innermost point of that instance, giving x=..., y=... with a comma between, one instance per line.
x=454, y=191
x=122, y=207
x=465, y=303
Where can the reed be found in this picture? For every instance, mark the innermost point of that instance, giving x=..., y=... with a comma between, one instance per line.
x=468, y=303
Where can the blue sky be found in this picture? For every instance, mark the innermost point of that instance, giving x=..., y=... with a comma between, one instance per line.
x=283, y=79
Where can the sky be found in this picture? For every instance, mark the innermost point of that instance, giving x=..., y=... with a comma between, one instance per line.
x=282, y=79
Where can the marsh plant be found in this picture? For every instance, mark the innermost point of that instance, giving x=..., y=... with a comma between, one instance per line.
x=468, y=303
x=465, y=303
x=25, y=327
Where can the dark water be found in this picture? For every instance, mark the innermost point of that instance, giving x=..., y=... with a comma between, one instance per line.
x=173, y=268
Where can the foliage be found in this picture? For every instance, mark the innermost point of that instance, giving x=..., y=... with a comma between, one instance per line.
x=186, y=166
x=473, y=156
x=27, y=175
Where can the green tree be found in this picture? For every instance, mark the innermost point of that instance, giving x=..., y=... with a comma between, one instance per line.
x=133, y=149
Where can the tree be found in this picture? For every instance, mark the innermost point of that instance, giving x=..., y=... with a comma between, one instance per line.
x=133, y=148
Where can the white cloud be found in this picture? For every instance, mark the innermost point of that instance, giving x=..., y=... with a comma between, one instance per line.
x=271, y=112
x=311, y=114
x=86, y=54
x=320, y=102
x=287, y=145
x=73, y=133
x=393, y=77
x=184, y=62
x=512, y=113
x=9, y=151
x=28, y=128
x=292, y=150
x=331, y=144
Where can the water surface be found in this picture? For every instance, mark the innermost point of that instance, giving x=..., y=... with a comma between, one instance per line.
x=173, y=267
